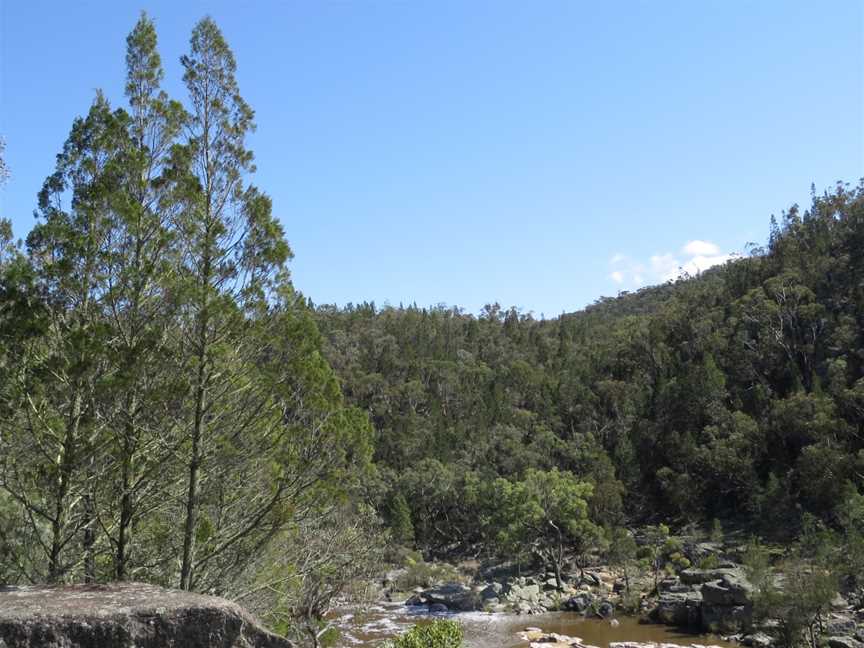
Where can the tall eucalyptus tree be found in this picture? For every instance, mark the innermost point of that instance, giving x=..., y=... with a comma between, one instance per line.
x=232, y=264
x=140, y=302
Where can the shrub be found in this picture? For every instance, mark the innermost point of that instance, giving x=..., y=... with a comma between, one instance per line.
x=677, y=562
x=716, y=531
x=419, y=573
x=438, y=634
x=631, y=602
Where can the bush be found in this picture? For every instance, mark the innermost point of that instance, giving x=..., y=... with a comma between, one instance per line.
x=711, y=561
x=630, y=602
x=799, y=607
x=419, y=573
x=716, y=531
x=438, y=634
x=677, y=562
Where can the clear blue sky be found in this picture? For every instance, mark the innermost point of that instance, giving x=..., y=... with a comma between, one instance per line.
x=538, y=154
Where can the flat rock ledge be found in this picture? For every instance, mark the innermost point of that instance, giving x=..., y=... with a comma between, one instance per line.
x=125, y=615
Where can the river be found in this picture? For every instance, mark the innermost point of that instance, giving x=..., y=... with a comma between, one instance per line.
x=373, y=625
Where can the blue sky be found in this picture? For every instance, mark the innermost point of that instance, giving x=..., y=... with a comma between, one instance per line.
x=538, y=154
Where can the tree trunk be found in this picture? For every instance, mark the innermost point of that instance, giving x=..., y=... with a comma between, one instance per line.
x=88, y=542
x=194, y=464
x=124, y=531
x=558, y=582
x=192, y=494
x=557, y=560
x=626, y=579
x=66, y=460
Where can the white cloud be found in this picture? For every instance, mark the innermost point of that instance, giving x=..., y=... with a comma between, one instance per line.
x=701, y=263
x=695, y=257
x=665, y=266
x=700, y=248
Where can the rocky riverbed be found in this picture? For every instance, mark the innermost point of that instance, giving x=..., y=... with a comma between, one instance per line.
x=715, y=599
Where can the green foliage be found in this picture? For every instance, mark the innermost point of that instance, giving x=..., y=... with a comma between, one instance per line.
x=419, y=573
x=676, y=562
x=622, y=548
x=799, y=606
x=399, y=520
x=166, y=410
x=809, y=584
x=851, y=523
x=437, y=634
x=652, y=549
x=546, y=513
x=4, y=168
x=711, y=561
x=622, y=553
x=312, y=564
x=716, y=534
x=757, y=565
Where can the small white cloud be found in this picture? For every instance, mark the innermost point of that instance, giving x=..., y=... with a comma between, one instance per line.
x=665, y=266
x=695, y=257
x=700, y=248
x=701, y=263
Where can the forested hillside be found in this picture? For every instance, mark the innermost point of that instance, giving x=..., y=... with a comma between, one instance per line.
x=737, y=395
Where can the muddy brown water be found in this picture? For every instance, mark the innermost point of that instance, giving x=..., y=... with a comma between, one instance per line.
x=377, y=623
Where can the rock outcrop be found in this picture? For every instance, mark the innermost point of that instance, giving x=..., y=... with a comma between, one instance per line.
x=843, y=642
x=708, y=600
x=727, y=603
x=449, y=596
x=122, y=615
x=521, y=595
x=683, y=609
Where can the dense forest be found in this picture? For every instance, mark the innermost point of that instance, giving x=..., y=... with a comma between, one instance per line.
x=173, y=411
x=736, y=395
